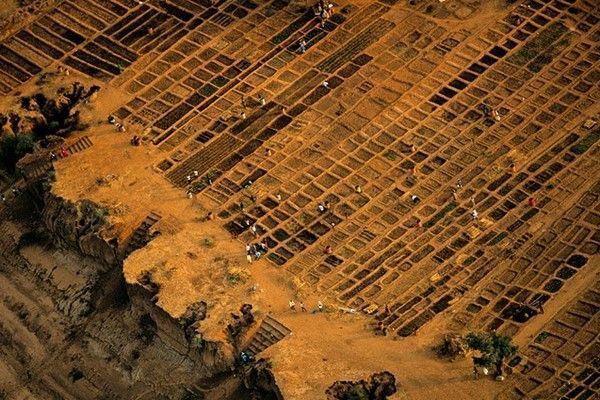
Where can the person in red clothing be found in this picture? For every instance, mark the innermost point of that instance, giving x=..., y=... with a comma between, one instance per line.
x=532, y=202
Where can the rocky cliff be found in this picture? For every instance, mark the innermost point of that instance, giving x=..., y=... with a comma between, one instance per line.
x=80, y=227
x=83, y=227
x=73, y=328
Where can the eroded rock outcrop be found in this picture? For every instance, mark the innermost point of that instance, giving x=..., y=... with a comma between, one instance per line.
x=260, y=381
x=99, y=332
x=197, y=358
x=452, y=347
x=31, y=130
x=240, y=324
x=151, y=344
x=79, y=226
x=83, y=227
x=379, y=386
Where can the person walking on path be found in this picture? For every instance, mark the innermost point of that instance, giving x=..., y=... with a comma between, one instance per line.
x=302, y=308
x=292, y=305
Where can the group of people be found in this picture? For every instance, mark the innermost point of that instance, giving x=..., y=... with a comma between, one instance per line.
x=136, y=140
x=292, y=305
x=459, y=185
x=63, y=70
x=191, y=178
x=256, y=250
x=62, y=153
x=14, y=191
x=113, y=121
x=324, y=11
x=488, y=111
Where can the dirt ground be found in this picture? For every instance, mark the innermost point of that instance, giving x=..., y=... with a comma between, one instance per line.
x=323, y=347
x=9, y=7
x=439, y=249
x=335, y=343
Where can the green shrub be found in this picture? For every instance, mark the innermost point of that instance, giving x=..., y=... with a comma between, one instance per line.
x=53, y=127
x=584, y=144
x=13, y=148
x=494, y=347
x=541, y=337
x=540, y=44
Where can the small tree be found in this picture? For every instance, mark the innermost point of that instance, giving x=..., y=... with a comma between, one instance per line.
x=504, y=348
x=495, y=348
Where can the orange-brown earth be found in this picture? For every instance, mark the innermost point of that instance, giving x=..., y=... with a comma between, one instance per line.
x=360, y=132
